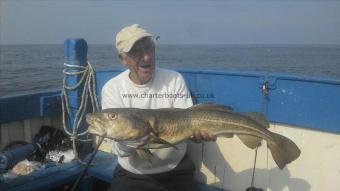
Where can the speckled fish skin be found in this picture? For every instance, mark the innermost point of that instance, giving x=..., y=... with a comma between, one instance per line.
x=170, y=126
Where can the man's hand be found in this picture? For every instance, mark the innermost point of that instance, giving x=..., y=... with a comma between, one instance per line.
x=201, y=135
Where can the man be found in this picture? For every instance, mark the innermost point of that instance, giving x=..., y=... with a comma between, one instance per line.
x=146, y=86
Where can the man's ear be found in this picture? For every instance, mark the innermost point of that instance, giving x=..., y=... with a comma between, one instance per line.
x=122, y=59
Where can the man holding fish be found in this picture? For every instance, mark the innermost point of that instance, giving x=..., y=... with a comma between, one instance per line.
x=166, y=168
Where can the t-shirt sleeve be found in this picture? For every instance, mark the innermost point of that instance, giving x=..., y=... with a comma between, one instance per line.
x=183, y=98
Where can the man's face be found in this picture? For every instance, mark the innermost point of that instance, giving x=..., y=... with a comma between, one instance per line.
x=141, y=60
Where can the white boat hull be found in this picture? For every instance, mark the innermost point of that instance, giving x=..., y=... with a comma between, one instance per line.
x=228, y=163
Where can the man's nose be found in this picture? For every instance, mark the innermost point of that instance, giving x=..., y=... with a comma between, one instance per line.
x=146, y=56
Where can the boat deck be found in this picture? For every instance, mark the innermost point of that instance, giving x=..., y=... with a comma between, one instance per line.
x=65, y=174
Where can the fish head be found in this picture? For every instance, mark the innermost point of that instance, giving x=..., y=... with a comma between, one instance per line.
x=117, y=124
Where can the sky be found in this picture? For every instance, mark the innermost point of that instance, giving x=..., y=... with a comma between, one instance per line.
x=176, y=22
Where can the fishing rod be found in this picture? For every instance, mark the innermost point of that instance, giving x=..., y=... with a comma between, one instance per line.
x=80, y=177
x=265, y=94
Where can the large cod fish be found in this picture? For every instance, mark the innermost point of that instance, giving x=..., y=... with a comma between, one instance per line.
x=145, y=129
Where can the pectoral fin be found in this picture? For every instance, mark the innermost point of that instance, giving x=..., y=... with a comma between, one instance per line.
x=157, y=140
x=144, y=154
x=152, y=121
x=250, y=141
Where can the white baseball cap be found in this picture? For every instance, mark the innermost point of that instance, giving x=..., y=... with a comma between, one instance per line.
x=128, y=36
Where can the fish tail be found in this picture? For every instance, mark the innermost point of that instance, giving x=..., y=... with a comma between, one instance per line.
x=283, y=150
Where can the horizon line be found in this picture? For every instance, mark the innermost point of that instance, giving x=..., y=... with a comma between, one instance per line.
x=184, y=44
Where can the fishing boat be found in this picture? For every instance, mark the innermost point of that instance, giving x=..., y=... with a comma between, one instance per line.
x=304, y=109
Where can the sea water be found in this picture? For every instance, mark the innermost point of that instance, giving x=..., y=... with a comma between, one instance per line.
x=36, y=68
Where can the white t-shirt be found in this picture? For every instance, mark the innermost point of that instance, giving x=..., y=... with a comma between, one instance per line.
x=166, y=89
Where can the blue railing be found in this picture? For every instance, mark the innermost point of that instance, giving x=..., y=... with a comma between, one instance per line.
x=20, y=107
x=307, y=102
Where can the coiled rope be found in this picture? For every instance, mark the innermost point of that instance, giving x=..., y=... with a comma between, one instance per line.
x=88, y=83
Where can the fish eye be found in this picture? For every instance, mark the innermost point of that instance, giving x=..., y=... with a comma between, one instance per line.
x=112, y=115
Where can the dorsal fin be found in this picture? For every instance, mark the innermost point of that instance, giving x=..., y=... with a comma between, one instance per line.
x=211, y=106
x=258, y=117
x=170, y=109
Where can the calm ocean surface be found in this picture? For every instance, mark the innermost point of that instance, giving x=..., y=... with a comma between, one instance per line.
x=35, y=68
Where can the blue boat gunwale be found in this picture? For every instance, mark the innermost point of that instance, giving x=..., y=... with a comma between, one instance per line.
x=27, y=106
x=42, y=104
x=14, y=108
x=245, y=73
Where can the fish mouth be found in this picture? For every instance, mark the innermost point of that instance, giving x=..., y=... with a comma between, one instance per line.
x=89, y=119
x=95, y=126
x=96, y=131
